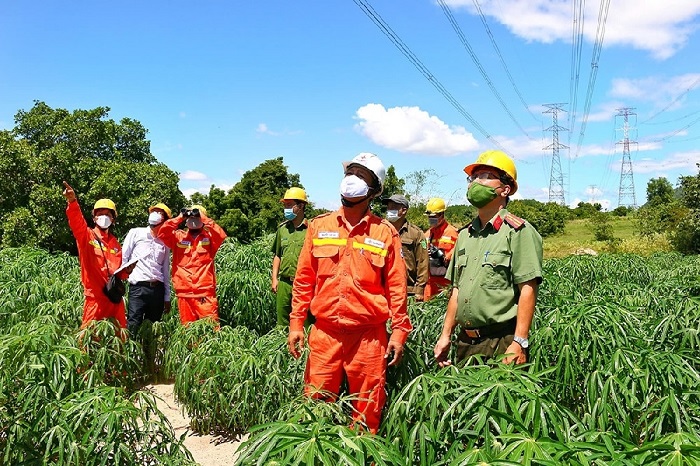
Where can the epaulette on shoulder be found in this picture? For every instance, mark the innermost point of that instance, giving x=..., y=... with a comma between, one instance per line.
x=514, y=221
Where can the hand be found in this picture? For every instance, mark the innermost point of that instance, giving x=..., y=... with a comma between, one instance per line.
x=418, y=297
x=166, y=307
x=442, y=351
x=68, y=192
x=515, y=353
x=295, y=343
x=130, y=269
x=274, y=284
x=396, y=348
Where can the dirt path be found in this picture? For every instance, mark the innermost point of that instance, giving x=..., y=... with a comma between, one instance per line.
x=207, y=450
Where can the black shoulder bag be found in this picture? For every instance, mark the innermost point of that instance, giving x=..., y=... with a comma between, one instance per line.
x=114, y=289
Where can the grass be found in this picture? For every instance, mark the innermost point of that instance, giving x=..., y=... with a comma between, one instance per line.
x=578, y=234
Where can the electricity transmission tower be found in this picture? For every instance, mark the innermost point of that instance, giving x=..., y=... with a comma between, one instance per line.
x=556, y=177
x=626, y=196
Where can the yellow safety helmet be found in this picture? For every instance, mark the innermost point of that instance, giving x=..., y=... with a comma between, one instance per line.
x=105, y=204
x=201, y=209
x=498, y=160
x=435, y=206
x=162, y=207
x=294, y=194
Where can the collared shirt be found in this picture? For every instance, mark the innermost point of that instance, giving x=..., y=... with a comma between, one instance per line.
x=287, y=246
x=351, y=277
x=415, y=252
x=488, y=264
x=154, y=262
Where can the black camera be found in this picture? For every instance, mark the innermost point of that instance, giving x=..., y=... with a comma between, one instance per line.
x=436, y=253
x=190, y=213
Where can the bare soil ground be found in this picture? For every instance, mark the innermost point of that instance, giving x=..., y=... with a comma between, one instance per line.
x=207, y=450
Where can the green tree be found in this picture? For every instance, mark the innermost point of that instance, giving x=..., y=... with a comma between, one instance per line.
x=686, y=238
x=547, y=218
x=392, y=185
x=586, y=209
x=659, y=192
x=97, y=156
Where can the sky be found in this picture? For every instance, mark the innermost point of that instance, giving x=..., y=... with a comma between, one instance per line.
x=222, y=86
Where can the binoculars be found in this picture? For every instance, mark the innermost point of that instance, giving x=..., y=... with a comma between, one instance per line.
x=190, y=213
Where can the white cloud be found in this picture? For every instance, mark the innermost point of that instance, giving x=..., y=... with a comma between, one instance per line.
x=264, y=129
x=681, y=161
x=191, y=175
x=182, y=115
x=410, y=129
x=657, y=89
x=661, y=28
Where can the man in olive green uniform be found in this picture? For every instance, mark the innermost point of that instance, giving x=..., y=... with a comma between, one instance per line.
x=495, y=270
x=414, y=246
x=287, y=245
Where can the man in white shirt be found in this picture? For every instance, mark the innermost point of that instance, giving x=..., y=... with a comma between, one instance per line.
x=149, y=282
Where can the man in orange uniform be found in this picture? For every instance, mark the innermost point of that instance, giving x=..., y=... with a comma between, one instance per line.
x=352, y=279
x=194, y=249
x=441, y=241
x=100, y=256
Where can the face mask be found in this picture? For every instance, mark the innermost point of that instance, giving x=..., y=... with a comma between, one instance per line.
x=193, y=223
x=155, y=218
x=103, y=221
x=392, y=215
x=353, y=186
x=289, y=214
x=479, y=195
x=432, y=221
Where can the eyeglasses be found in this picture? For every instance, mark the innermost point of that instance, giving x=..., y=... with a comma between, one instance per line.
x=483, y=176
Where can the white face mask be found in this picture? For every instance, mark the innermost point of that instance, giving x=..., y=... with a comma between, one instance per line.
x=194, y=223
x=155, y=218
x=353, y=186
x=392, y=215
x=103, y=221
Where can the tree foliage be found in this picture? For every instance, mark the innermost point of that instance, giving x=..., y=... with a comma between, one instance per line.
x=547, y=218
x=686, y=237
x=97, y=156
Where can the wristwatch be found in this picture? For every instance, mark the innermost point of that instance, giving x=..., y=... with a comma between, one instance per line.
x=523, y=342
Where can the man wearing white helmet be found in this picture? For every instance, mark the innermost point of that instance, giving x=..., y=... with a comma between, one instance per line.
x=352, y=278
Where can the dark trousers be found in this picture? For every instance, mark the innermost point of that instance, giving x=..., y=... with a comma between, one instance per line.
x=146, y=301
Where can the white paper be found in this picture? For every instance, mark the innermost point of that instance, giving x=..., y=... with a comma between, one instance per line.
x=128, y=264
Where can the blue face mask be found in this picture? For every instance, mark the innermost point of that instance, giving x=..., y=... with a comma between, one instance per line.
x=289, y=214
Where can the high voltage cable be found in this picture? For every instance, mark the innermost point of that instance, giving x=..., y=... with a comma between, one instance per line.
x=597, y=48
x=675, y=119
x=403, y=48
x=500, y=56
x=677, y=131
x=576, y=53
x=680, y=96
x=477, y=63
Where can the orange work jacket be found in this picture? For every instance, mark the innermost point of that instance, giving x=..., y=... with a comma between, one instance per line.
x=92, y=254
x=351, y=277
x=444, y=237
x=193, y=274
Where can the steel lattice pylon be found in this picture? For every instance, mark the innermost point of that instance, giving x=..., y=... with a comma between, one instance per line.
x=556, y=178
x=626, y=196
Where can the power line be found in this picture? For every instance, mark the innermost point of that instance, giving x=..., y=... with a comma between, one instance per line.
x=477, y=63
x=678, y=97
x=677, y=131
x=500, y=56
x=576, y=53
x=406, y=51
x=597, y=48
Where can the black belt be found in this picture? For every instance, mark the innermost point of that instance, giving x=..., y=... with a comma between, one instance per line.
x=152, y=284
x=487, y=331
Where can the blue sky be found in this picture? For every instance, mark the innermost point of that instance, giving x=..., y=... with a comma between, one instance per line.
x=222, y=86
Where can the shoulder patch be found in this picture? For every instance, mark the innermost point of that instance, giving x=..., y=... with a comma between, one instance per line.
x=514, y=221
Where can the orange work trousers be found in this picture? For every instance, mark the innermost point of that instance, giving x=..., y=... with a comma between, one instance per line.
x=357, y=355
x=192, y=309
x=435, y=285
x=100, y=307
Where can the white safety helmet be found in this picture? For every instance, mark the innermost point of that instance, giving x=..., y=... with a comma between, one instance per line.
x=372, y=163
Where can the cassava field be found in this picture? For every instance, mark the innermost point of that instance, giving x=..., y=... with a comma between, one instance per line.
x=614, y=376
